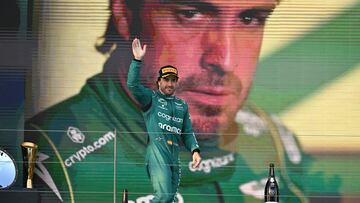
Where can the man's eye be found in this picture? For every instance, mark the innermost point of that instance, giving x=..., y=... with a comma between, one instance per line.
x=188, y=14
x=253, y=17
x=247, y=20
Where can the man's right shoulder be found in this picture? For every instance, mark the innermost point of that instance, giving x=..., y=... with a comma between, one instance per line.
x=51, y=120
x=72, y=108
x=56, y=112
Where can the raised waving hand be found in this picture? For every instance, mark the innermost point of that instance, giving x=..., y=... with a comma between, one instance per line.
x=138, y=51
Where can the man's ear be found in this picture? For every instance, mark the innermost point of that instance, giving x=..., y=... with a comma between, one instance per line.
x=122, y=16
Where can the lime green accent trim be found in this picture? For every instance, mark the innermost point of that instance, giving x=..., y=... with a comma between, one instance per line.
x=299, y=69
x=72, y=199
x=340, y=130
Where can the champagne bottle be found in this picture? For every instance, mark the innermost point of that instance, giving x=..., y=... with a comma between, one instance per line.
x=271, y=188
x=125, y=196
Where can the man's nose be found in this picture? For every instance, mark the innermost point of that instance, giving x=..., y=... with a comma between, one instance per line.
x=171, y=83
x=219, y=50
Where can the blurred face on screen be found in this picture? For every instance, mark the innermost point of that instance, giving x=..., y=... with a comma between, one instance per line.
x=215, y=45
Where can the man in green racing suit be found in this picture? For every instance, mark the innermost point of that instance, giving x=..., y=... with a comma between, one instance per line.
x=167, y=121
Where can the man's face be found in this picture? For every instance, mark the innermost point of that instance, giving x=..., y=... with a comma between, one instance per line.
x=168, y=85
x=214, y=43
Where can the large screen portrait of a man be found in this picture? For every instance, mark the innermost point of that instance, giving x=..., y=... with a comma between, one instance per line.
x=265, y=81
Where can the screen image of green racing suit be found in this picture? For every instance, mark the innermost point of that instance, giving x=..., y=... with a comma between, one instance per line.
x=95, y=143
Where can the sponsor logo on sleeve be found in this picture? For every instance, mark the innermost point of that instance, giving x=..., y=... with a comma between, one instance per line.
x=207, y=165
x=81, y=154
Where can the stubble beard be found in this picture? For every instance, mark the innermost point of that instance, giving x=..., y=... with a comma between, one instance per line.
x=209, y=121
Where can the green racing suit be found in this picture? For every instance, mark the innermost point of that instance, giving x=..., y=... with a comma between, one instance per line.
x=167, y=121
x=92, y=146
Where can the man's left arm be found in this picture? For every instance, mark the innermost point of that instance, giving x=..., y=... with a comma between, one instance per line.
x=189, y=139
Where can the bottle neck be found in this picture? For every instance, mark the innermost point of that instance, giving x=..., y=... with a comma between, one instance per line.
x=271, y=171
